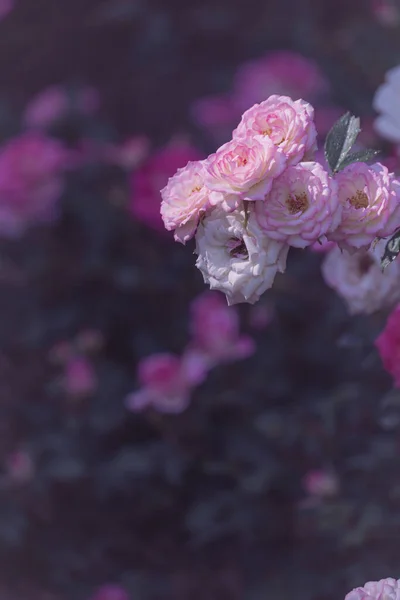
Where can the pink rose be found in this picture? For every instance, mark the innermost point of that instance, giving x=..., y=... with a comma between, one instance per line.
x=244, y=167
x=215, y=330
x=285, y=73
x=184, y=199
x=370, y=197
x=30, y=181
x=288, y=124
x=166, y=381
x=301, y=207
x=388, y=344
x=359, y=280
x=323, y=246
x=152, y=176
x=236, y=257
x=385, y=589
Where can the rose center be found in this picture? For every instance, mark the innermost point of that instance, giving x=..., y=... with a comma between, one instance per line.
x=297, y=203
x=241, y=161
x=237, y=248
x=359, y=200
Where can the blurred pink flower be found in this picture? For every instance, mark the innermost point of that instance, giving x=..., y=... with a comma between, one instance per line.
x=217, y=115
x=386, y=12
x=30, y=181
x=285, y=73
x=388, y=344
x=79, y=378
x=20, y=466
x=54, y=102
x=166, y=381
x=110, y=592
x=152, y=176
x=129, y=154
x=6, y=6
x=322, y=484
x=385, y=589
x=214, y=327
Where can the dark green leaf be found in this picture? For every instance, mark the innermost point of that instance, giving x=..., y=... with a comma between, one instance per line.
x=360, y=156
x=340, y=140
x=392, y=249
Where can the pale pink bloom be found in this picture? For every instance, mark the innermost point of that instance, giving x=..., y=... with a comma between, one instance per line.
x=358, y=278
x=129, y=154
x=301, y=207
x=54, y=102
x=323, y=246
x=110, y=592
x=322, y=484
x=244, y=167
x=80, y=377
x=31, y=181
x=216, y=114
x=288, y=124
x=285, y=73
x=214, y=327
x=6, y=6
x=152, y=176
x=185, y=199
x=386, y=102
x=236, y=257
x=370, y=197
x=385, y=589
x=20, y=466
x=388, y=344
x=166, y=382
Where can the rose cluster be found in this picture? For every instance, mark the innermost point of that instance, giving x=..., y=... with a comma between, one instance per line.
x=263, y=192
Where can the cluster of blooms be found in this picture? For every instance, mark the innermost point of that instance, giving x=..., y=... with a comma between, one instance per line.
x=385, y=589
x=167, y=380
x=262, y=193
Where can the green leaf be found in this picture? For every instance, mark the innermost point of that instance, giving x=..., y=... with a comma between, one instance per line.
x=340, y=140
x=360, y=156
x=392, y=250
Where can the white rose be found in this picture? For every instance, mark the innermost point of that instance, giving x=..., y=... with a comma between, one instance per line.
x=236, y=257
x=387, y=103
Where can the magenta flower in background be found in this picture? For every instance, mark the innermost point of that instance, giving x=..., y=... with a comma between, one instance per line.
x=31, y=181
x=152, y=176
x=388, y=344
x=6, y=6
x=321, y=484
x=214, y=327
x=54, y=102
x=110, y=592
x=166, y=381
x=285, y=73
x=385, y=589
x=80, y=377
